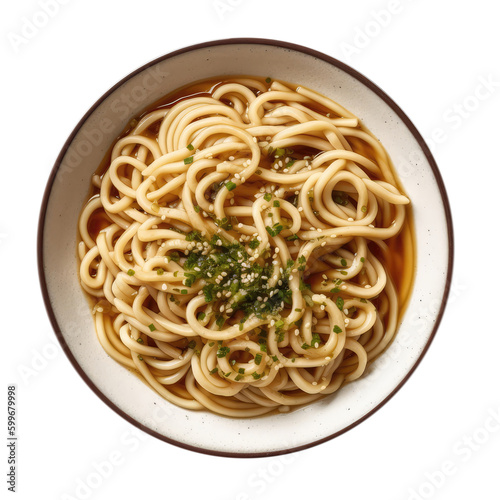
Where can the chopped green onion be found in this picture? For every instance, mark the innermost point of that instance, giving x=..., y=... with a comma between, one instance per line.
x=280, y=336
x=276, y=203
x=268, y=196
x=256, y=375
x=223, y=351
x=268, y=80
x=258, y=359
x=190, y=147
x=230, y=185
x=337, y=329
x=152, y=327
x=130, y=272
x=192, y=344
x=160, y=271
x=189, y=160
x=340, y=303
x=184, y=292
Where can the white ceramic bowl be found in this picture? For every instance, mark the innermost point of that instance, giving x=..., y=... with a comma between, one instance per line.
x=67, y=306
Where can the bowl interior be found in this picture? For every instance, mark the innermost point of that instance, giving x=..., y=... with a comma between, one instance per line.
x=68, y=307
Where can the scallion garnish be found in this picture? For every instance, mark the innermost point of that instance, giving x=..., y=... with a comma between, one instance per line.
x=223, y=351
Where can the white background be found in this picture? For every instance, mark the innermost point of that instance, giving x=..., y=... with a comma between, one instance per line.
x=438, y=437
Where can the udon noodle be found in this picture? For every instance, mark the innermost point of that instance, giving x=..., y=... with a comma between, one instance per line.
x=238, y=248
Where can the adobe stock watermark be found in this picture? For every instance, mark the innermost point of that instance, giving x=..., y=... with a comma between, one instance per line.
x=223, y=7
x=104, y=467
x=455, y=115
x=31, y=25
x=462, y=451
x=266, y=475
x=452, y=118
x=117, y=110
x=365, y=34
x=101, y=470
x=38, y=361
